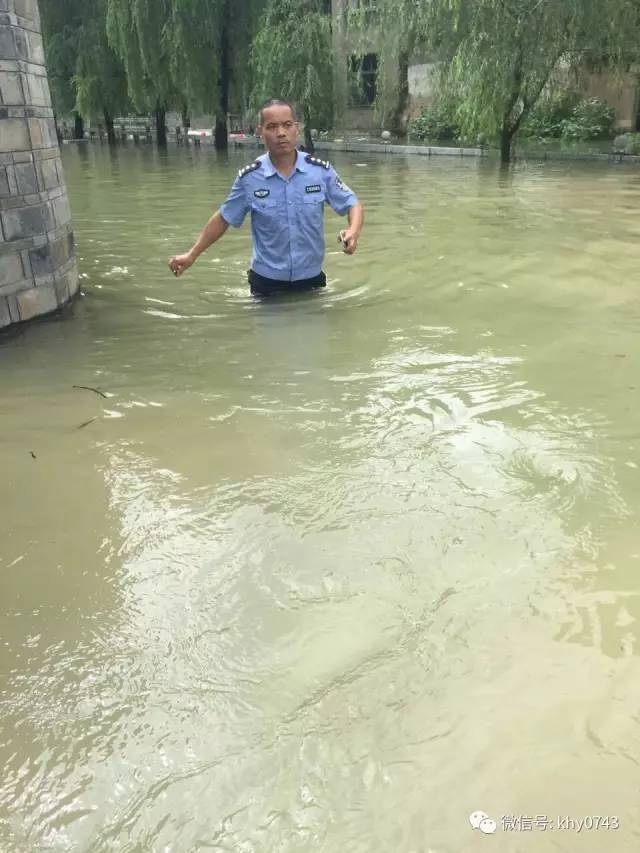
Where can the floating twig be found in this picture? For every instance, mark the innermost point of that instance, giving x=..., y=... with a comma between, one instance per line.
x=95, y=390
x=86, y=423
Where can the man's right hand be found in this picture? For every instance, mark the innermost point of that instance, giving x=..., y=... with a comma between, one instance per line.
x=179, y=263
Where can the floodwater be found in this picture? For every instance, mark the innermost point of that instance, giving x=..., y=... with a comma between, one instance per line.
x=331, y=572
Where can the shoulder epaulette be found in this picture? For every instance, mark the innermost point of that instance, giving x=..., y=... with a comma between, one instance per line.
x=316, y=162
x=250, y=168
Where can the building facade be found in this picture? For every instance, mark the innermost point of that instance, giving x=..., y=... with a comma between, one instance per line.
x=383, y=90
x=381, y=87
x=359, y=64
x=622, y=92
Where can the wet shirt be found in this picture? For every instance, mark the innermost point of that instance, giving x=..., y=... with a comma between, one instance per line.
x=287, y=222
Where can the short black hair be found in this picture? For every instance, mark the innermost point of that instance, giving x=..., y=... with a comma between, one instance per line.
x=276, y=102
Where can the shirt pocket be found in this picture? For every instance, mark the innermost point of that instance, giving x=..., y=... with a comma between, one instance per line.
x=265, y=206
x=313, y=198
x=311, y=210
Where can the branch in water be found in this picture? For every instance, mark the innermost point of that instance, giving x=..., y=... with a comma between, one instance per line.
x=89, y=388
x=86, y=423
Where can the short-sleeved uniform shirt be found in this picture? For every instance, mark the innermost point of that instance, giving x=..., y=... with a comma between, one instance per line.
x=287, y=223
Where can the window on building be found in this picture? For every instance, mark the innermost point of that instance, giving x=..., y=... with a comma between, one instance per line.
x=363, y=74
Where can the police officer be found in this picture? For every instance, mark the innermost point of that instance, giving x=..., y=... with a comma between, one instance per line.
x=285, y=190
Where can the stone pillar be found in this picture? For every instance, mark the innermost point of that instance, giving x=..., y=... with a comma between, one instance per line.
x=38, y=272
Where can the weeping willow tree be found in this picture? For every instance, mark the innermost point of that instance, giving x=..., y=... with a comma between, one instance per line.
x=197, y=38
x=209, y=45
x=499, y=56
x=139, y=33
x=86, y=77
x=100, y=79
x=191, y=54
x=61, y=22
x=292, y=58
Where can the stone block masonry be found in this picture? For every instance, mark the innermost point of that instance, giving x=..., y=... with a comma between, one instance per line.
x=38, y=272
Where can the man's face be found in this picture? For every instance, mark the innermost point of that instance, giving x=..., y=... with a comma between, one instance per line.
x=279, y=130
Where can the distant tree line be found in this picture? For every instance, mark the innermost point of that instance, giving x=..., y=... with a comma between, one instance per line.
x=110, y=57
x=497, y=58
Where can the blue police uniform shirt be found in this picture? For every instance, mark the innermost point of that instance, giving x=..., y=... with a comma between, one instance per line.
x=287, y=214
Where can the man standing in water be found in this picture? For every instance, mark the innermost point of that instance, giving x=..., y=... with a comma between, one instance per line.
x=285, y=190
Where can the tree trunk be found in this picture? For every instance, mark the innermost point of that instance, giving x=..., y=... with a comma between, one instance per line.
x=186, y=120
x=161, y=126
x=309, y=147
x=59, y=133
x=78, y=127
x=506, y=143
x=398, y=124
x=108, y=123
x=509, y=125
x=221, y=139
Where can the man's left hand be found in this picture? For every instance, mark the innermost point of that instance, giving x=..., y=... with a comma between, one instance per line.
x=349, y=241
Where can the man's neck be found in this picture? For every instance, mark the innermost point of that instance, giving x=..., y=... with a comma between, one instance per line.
x=285, y=163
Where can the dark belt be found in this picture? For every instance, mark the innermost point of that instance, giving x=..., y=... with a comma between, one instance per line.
x=262, y=286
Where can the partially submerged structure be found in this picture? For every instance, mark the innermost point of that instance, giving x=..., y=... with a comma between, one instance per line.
x=38, y=272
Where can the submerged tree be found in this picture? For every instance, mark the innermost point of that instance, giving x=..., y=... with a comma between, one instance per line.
x=86, y=77
x=191, y=54
x=61, y=22
x=499, y=56
x=138, y=32
x=101, y=82
x=209, y=45
x=292, y=58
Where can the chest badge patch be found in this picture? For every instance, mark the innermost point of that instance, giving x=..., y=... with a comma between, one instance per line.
x=261, y=193
x=314, y=188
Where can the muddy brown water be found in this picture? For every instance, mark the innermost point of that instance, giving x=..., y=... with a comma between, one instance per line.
x=331, y=572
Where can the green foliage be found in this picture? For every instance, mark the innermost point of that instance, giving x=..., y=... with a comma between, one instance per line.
x=138, y=32
x=437, y=121
x=100, y=80
x=184, y=53
x=189, y=54
x=589, y=119
x=565, y=114
x=192, y=42
x=62, y=57
x=84, y=73
x=546, y=119
x=61, y=22
x=500, y=55
x=292, y=58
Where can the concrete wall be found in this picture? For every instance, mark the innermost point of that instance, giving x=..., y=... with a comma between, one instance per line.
x=347, y=42
x=423, y=85
x=621, y=92
x=38, y=272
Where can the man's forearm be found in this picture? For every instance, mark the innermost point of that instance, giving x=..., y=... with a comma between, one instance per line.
x=213, y=230
x=356, y=218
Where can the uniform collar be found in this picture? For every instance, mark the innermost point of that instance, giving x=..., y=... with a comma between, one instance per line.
x=268, y=169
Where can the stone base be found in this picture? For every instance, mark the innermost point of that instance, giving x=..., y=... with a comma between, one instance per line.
x=47, y=298
x=38, y=273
